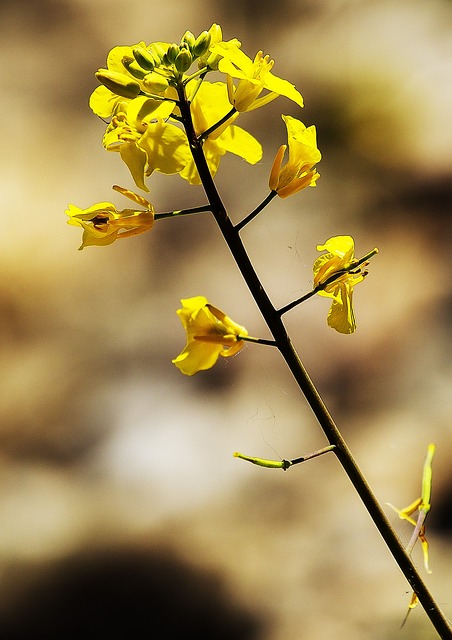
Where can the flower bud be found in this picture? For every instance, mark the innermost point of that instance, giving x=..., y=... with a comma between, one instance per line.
x=216, y=32
x=202, y=43
x=134, y=68
x=188, y=38
x=144, y=58
x=183, y=60
x=119, y=83
x=156, y=50
x=155, y=83
x=171, y=54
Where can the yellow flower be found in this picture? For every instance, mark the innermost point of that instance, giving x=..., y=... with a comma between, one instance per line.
x=210, y=334
x=145, y=142
x=299, y=171
x=209, y=106
x=335, y=274
x=253, y=75
x=102, y=224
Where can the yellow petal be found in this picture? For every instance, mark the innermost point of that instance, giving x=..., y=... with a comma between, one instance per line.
x=197, y=356
x=243, y=144
x=136, y=160
x=341, y=315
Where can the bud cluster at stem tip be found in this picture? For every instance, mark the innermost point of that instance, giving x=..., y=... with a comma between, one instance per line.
x=153, y=68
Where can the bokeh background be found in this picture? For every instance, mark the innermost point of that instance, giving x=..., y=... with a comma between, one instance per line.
x=121, y=506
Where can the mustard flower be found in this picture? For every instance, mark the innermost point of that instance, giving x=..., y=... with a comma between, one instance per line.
x=210, y=334
x=299, y=171
x=147, y=142
x=144, y=140
x=209, y=106
x=335, y=277
x=102, y=223
x=254, y=76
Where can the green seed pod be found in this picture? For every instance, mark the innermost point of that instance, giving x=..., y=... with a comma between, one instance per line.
x=144, y=58
x=202, y=43
x=119, y=83
x=183, y=60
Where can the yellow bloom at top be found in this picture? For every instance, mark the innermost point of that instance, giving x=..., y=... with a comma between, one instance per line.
x=147, y=142
x=208, y=107
x=299, y=171
x=335, y=276
x=144, y=140
x=254, y=76
x=102, y=223
x=210, y=334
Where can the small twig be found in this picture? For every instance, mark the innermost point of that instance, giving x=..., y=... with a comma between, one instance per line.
x=256, y=211
x=182, y=212
x=283, y=464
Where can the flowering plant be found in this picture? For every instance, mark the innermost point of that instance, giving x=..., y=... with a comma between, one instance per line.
x=165, y=116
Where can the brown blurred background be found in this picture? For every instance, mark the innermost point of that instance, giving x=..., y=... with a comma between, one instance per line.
x=121, y=506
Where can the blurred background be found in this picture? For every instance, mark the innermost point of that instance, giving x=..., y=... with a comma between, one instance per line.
x=121, y=506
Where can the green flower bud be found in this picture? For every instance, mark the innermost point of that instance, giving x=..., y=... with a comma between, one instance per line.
x=155, y=83
x=188, y=38
x=134, y=68
x=171, y=54
x=144, y=58
x=212, y=61
x=119, y=83
x=216, y=32
x=157, y=51
x=202, y=43
x=183, y=60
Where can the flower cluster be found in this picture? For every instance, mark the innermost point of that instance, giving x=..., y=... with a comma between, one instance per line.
x=162, y=114
x=140, y=95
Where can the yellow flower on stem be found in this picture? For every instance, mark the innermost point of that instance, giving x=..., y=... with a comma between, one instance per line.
x=299, y=171
x=210, y=334
x=102, y=223
x=335, y=274
x=254, y=76
x=209, y=107
x=145, y=142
